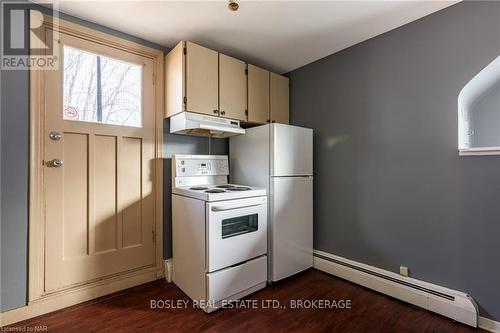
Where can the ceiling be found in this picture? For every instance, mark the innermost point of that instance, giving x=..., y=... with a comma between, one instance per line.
x=277, y=35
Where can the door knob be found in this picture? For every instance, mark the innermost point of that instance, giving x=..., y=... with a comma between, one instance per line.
x=56, y=136
x=56, y=163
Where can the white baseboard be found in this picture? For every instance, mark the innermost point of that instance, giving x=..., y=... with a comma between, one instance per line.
x=169, y=269
x=447, y=302
x=489, y=325
x=77, y=295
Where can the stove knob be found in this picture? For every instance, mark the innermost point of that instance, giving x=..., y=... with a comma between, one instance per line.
x=183, y=169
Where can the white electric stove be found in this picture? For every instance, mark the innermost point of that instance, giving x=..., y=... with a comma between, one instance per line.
x=219, y=232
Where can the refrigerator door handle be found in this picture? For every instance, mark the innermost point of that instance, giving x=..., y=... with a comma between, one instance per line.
x=292, y=177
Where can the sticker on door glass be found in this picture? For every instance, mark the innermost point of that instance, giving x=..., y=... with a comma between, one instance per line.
x=70, y=113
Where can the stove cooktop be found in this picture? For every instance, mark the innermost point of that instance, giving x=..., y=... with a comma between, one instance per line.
x=219, y=192
x=239, y=188
x=215, y=190
x=225, y=186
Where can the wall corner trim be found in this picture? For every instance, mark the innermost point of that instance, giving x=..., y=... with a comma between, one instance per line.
x=447, y=302
x=169, y=269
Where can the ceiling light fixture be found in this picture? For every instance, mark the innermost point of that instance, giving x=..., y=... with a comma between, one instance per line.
x=233, y=5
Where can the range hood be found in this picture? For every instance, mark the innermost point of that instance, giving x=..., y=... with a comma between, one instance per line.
x=189, y=123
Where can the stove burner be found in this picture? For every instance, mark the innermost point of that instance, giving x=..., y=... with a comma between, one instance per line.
x=214, y=191
x=198, y=188
x=239, y=188
x=225, y=186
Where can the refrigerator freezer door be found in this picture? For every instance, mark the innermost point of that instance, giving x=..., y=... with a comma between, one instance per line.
x=249, y=157
x=291, y=150
x=291, y=226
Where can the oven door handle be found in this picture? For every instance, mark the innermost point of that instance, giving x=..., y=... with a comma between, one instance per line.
x=223, y=208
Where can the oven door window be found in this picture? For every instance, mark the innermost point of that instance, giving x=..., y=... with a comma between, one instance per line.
x=239, y=225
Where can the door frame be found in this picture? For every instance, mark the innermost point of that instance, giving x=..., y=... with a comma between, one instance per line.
x=36, y=222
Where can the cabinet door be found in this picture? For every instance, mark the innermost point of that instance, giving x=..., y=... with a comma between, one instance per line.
x=232, y=88
x=174, y=80
x=258, y=95
x=202, y=79
x=279, y=94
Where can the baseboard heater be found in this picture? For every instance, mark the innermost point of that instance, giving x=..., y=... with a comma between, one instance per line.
x=447, y=302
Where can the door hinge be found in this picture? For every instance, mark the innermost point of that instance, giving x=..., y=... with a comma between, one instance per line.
x=184, y=49
x=185, y=100
x=246, y=71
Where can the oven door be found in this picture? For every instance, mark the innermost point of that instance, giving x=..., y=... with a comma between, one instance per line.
x=236, y=231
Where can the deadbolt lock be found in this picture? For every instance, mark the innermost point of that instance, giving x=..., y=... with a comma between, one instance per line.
x=56, y=136
x=56, y=163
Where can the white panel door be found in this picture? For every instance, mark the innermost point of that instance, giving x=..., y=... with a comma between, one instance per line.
x=292, y=150
x=291, y=225
x=98, y=153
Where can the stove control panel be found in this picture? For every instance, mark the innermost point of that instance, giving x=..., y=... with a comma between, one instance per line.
x=200, y=165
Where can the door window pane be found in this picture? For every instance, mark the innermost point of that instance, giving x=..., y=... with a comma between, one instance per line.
x=239, y=225
x=101, y=89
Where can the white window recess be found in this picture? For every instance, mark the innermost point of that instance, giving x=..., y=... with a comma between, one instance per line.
x=479, y=113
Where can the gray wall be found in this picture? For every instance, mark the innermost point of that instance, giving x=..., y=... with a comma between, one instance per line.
x=390, y=188
x=14, y=188
x=14, y=176
x=14, y=124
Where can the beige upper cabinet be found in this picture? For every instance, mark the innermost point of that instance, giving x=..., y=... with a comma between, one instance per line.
x=258, y=95
x=279, y=97
x=192, y=80
x=202, y=76
x=232, y=88
x=204, y=81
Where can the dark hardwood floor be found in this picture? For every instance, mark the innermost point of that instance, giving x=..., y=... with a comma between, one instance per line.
x=129, y=311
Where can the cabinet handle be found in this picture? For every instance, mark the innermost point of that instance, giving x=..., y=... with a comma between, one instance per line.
x=223, y=112
x=268, y=121
x=216, y=111
x=273, y=121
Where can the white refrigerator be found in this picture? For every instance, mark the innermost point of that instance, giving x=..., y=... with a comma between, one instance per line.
x=280, y=158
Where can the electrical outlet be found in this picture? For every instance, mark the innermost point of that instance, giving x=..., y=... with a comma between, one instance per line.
x=403, y=270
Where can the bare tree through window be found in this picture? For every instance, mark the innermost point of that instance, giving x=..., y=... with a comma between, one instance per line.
x=101, y=89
